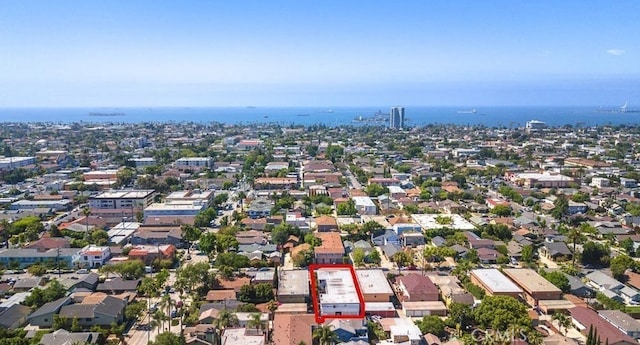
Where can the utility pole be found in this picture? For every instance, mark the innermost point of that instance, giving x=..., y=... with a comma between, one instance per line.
x=58, y=262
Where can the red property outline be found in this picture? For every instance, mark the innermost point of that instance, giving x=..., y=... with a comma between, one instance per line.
x=320, y=319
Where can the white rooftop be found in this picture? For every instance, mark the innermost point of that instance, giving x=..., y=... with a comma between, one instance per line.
x=428, y=221
x=373, y=282
x=339, y=286
x=125, y=194
x=544, y=177
x=238, y=336
x=363, y=201
x=496, y=281
x=293, y=282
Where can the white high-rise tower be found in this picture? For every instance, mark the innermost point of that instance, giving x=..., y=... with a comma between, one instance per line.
x=396, y=117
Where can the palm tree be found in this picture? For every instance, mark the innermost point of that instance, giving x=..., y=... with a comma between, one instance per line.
x=255, y=321
x=167, y=302
x=575, y=235
x=225, y=319
x=159, y=317
x=462, y=268
x=5, y=231
x=325, y=335
x=534, y=338
x=272, y=306
x=86, y=212
x=563, y=321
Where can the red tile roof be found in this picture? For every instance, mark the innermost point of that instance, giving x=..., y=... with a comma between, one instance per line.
x=331, y=243
x=289, y=329
x=326, y=220
x=220, y=295
x=418, y=284
x=607, y=332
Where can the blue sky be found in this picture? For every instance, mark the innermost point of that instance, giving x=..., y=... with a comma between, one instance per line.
x=279, y=53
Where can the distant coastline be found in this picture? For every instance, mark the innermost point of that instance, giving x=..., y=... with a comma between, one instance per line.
x=496, y=116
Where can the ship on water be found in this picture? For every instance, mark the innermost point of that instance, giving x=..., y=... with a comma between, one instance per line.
x=472, y=111
x=623, y=109
x=105, y=114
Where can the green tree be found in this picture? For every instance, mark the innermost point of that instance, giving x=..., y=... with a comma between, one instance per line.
x=303, y=258
x=255, y=322
x=498, y=231
x=135, y=310
x=558, y=279
x=226, y=318
x=118, y=330
x=372, y=228
x=312, y=240
x=347, y=208
x=232, y=260
x=195, y=276
x=596, y=254
x=75, y=325
x=461, y=314
x=374, y=190
x=128, y=270
x=282, y=231
x=627, y=245
x=527, y=253
x=99, y=237
x=374, y=257
x=325, y=335
x=561, y=207
x=402, y=258
x=575, y=236
x=207, y=243
x=37, y=270
x=501, y=312
x=564, y=322
x=226, y=242
x=125, y=176
x=256, y=293
x=247, y=308
x=39, y=297
x=620, y=264
x=501, y=210
x=168, y=338
x=190, y=234
x=149, y=287
x=60, y=322
x=14, y=337
x=358, y=256
x=437, y=254
x=432, y=324
x=54, y=231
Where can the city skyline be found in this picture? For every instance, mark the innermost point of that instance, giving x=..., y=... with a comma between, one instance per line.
x=285, y=53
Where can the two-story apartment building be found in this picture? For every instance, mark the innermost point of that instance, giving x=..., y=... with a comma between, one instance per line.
x=194, y=163
x=29, y=256
x=364, y=205
x=337, y=292
x=93, y=256
x=113, y=206
x=331, y=251
x=259, y=208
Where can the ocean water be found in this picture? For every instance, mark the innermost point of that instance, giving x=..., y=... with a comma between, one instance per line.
x=414, y=116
